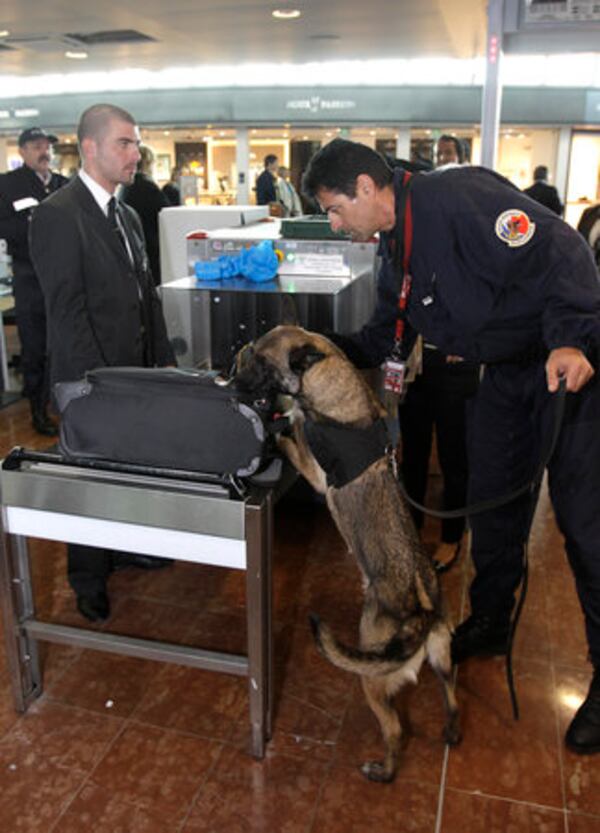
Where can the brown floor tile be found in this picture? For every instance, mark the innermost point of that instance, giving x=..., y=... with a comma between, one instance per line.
x=64, y=736
x=33, y=790
x=98, y=810
x=199, y=702
x=149, y=619
x=54, y=661
x=468, y=813
x=156, y=770
x=100, y=681
x=500, y=756
x=8, y=715
x=351, y=804
x=277, y=795
x=195, y=586
x=583, y=824
x=302, y=673
x=567, y=632
x=219, y=631
x=311, y=696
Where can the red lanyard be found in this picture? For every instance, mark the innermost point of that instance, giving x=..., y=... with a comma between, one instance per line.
x=407, y=227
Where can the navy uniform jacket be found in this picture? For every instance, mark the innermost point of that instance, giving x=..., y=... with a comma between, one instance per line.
x=495, y=275
x=21, y=184
x=546, y=194
x=265, y=188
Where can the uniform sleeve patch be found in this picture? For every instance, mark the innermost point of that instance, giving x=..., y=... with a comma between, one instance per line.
x=514, y=227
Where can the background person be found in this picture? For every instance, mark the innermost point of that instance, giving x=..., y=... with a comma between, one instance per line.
x=449, y=151
x=501, y=281
x=20, y=192
x=266, y=192
x=171, y=188
x=103, y=308
x=148, y=200
x=589, y=227
x=542, y=192
x=436, y=404
x=287, y=194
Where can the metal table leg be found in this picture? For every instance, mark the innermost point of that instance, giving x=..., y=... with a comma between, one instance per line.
x=258, y=596
x=16, y=597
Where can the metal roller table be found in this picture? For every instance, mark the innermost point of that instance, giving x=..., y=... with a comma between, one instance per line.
x=172, y=515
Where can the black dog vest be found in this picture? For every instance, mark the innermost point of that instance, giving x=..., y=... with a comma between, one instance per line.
x=344, y=453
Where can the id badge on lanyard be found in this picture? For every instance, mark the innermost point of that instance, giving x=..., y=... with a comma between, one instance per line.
x=394, y=376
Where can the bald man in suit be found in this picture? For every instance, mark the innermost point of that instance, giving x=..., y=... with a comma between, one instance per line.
x=103, y=309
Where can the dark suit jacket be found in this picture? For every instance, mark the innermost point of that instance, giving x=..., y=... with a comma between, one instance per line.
x=265, y=188
x=146, y=197
x=546, y=195
x=14, y=221
x=93, y=304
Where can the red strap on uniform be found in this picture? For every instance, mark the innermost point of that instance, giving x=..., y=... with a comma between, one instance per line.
x=406, y=279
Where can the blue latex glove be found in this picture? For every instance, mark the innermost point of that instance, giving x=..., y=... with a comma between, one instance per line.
x=257, y=263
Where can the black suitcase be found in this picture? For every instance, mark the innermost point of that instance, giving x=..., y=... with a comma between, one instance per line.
x=163, y=418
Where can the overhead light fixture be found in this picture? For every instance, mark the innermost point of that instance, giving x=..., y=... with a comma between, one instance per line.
x=76, y=56
x=286, y=14
x=4, y=33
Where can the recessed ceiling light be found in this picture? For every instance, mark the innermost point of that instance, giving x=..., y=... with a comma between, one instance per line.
x=76, y=56
x=4, y=33
x=286, y=14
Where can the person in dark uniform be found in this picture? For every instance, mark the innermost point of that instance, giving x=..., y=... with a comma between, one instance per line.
x=171, y=188
x=542, y=192
x=20, y=192
x=449, y=151
x=436, y=402
x=103, y=309
x=491, y=276
x=148, y=200
x=266, y=192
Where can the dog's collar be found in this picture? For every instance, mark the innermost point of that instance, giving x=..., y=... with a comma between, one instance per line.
x=344, y=453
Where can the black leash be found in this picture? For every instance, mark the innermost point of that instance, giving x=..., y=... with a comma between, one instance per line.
x=532, y=487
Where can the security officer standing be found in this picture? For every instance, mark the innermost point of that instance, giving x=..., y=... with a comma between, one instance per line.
x=20, y=191
x=485, y=273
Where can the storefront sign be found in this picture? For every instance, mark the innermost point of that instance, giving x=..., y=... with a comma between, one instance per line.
x=316, y=104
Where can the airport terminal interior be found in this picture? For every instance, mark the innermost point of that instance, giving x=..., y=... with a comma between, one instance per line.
x=201, y=704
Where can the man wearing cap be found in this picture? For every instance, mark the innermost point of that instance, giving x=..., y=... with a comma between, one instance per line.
x=20, y=192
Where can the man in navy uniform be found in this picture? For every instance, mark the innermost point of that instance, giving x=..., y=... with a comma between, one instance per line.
x=543, y=192
x=265, y=183
x=495, y=278
x=20, y=191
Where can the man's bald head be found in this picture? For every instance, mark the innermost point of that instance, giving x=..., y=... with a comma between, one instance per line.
x=94, y=121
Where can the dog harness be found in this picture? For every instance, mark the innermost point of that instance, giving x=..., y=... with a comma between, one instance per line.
x=344, y=453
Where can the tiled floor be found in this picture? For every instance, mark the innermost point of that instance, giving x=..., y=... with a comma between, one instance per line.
x=118, y=745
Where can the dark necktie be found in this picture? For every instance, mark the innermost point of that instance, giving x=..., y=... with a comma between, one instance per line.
x=115, y=226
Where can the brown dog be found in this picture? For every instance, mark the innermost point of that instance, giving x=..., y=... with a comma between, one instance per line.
x=339, y=446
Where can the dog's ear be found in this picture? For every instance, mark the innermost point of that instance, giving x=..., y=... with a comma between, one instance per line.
x=243, y=357
x=289, y=313
x=302, y=358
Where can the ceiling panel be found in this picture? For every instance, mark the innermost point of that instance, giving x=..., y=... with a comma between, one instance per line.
x=192, y=32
